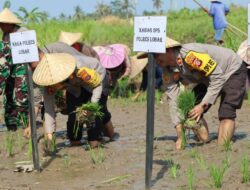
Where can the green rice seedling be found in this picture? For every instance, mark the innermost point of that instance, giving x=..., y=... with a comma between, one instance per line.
x=245, y=169
x=174, y=170
x=183, y=139
x=185, y=102
x=193, y=153
x=30, y=149
x=94, y=108
x=158, y=96
x=76, y=128
x=201, y=162
x=97, y=156
x=217, y=174
x=116, y=179
x=121, y=89
x=66, y=160
x=9, y=141
x=190, y=175
x=20, y=142
x=53, y=146
x=227, y=145
x=226, y=161
x=24, y=120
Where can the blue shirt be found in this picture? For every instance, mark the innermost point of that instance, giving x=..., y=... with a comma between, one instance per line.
x=218, y=11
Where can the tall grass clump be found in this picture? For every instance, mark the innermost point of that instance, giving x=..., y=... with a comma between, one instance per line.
x=245, y=169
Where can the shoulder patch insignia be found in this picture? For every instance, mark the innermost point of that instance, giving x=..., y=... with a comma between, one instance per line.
x=201, y=62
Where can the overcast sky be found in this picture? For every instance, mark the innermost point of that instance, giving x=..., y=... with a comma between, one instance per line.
x=56, y=7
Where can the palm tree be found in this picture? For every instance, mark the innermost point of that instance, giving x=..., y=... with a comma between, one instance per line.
x=158, y=4
x=7, y=4
x=79, y=14
x=124, y=8
x=102, y=9
x=33, y=16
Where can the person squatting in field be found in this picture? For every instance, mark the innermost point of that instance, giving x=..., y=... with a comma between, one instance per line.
x=115, y=59
x=12, y=76
x=72, y=39
x=79, y=89
x=217, y=72
x=218, y=11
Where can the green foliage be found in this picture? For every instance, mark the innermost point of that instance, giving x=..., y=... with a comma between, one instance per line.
x=183, y=138
x=97, y=156
x=9, y=141
x=93, y=108
x=245, y=169
x=190, y=175
x=24, y=120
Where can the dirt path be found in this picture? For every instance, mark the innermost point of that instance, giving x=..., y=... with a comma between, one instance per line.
x=72, y=168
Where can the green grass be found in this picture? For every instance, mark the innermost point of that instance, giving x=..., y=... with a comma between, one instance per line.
x=29, y=153
x=180, y=27
x=174, y=170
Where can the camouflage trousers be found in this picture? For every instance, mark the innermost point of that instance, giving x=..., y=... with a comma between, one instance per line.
x=14, y=88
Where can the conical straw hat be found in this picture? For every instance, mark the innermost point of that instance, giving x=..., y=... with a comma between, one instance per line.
x=54, y=68
x=169, y=44
x=6, y=16
x=137, y=65
x=69, y=37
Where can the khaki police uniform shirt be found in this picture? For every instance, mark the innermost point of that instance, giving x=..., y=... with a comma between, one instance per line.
x=226, y=63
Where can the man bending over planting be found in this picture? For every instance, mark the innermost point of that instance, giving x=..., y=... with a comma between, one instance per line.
x=217, y=72
x=85, y=80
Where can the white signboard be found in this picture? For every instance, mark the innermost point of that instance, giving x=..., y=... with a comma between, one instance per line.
x=150, y=34
x=248, y=24
x=24, y=47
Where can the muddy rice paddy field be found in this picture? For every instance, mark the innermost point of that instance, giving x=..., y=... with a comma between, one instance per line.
x=71, y=168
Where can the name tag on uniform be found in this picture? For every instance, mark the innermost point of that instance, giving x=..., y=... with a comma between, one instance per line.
x=201, y=62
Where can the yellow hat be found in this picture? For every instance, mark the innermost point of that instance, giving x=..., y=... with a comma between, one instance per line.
x=54, y=68
x=137, y=65
x=6, y=16
x=69, y=37
x=169, y=44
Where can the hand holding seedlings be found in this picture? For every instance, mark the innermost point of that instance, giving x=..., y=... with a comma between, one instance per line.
x=196, y=112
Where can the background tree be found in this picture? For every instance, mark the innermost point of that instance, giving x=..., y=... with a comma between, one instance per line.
x=123, y=8
x=33, y=16
x=158, y=4
x=7, y=4
x=102, y=9
x=79, y=14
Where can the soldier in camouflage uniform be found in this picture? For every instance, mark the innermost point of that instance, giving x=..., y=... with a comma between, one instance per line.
x=12, y=77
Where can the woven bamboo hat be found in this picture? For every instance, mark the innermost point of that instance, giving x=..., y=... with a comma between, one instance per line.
x=54, y=68
x=69, y=37
x=6, y=16
x=137, y=65
x=169, y=44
